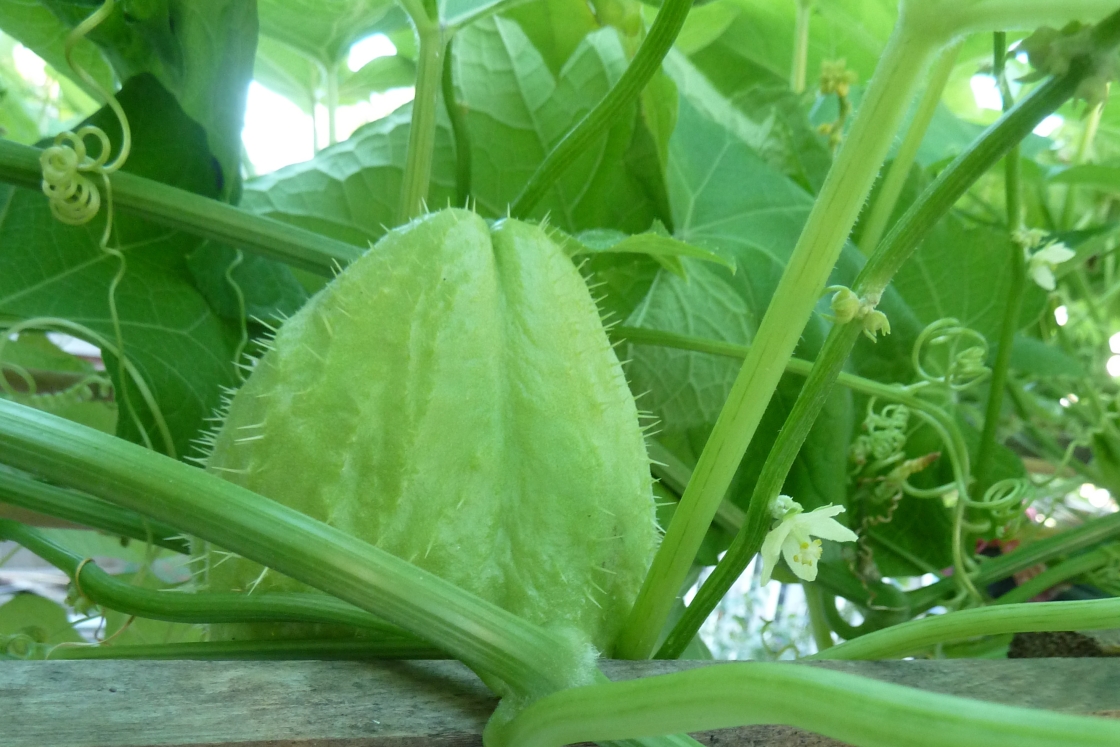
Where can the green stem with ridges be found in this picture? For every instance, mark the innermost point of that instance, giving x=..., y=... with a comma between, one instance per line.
x=198, y=608
x=484, y=636
x=1060, y=573
x=662, y=33
x=33, y=495
x=749, y=538
x=287, y=650
x=800, y=64
x=197, y=215
x=818, y=618
x=851, y=709
x=893, y=182
x=1035, y=617
x=833, y=214
x=422, y=131
x=459, y=131
x=1017, y=271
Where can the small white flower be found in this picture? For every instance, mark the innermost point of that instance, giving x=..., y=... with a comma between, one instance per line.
x=792, y=537
x=1041, y=264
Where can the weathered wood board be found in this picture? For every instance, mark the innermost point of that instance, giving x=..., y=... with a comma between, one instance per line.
x=409, y=704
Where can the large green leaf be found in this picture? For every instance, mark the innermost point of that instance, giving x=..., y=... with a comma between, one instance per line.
x=961, y=272
x=289, y=72
x=54, y=373
x=555, y=27
x=1098, y=176
x=40, y=618
x=376, y=76
x=41, y=31
x=301, y=77
x=181, y=348
x=349, y=191
x=756, y=45
x=200, y=51
x=517, y=111
x=323, y=30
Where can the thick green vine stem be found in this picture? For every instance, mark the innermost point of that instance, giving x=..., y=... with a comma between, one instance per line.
x=287, y=650
x=459, y=132
x=422, y=131
x=197, y=215
x=1017, y=273
x=102, y=589
x=800, y=46
x=1036, y=617
x=851, y=709
x=1064, y=571
x=662, y=33
x=25, y=492
x=895, y=179
x=528, y=659
x=966, y=168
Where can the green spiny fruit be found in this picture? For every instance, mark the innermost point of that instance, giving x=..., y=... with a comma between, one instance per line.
x=453, y=399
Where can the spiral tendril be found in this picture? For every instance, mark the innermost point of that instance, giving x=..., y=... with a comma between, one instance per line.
x=966, y=351
x=1005, y=502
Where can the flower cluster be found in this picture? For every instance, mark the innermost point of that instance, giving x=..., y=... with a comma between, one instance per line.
x=847, y=307
x=1042, y=262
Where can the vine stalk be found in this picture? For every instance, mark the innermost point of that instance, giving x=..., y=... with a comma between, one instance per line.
x=851, y=709
x=883, y=207
x=800, y=65
x=846, y=187
x=422, y=132
x=670, y=19
x=1017, y=273
x=526, y=658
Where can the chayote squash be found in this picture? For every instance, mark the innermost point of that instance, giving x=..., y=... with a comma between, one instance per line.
x=453, y=399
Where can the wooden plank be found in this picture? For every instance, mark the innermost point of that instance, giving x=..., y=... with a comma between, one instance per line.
x=408, y=704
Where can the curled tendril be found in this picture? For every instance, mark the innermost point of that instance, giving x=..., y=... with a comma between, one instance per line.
x=966, y=351
x=1005, y=502
x=19, y=646
x=74, y=198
